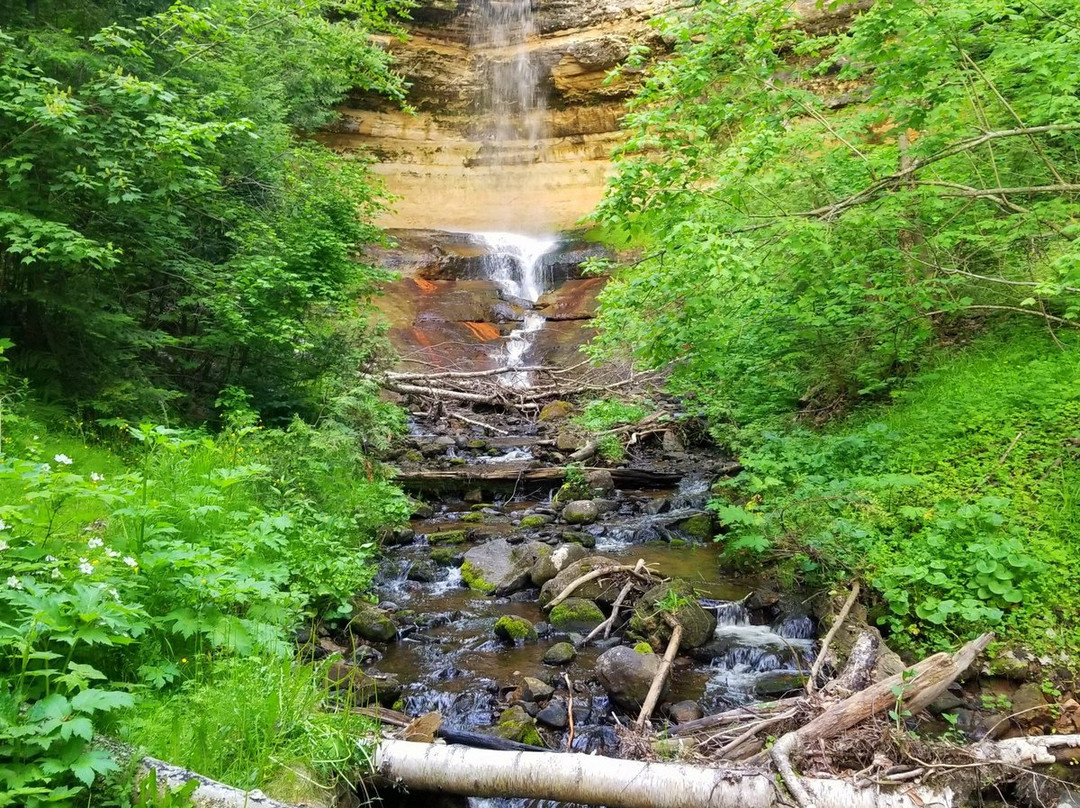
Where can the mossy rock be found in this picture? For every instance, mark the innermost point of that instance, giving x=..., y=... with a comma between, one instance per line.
x=473, y=516
x=515, y=725
x=475, y=580
x=577, y=537
x=576, y=614
x=514, y=629
x=446, y=556
x=561, y=653
x=556, y=410
x=447, y=537
x=644, y=648
x=699, y=527
x=371, y=622
x=480, y=506
x=677, y=597
x=421, y=510
x=602, y=590
x=413, y=456
x=534, y=520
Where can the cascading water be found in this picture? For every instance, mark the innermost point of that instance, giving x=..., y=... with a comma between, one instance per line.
x=512, y=117
x=516, y=264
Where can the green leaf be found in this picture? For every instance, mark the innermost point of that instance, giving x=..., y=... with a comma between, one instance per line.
x=95, y=700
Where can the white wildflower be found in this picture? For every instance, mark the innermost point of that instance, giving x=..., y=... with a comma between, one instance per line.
x=111, y=553
x=3, y=545
x=55, y=573
x=14, y=582
x=85, y=567
x=112, y=591
x=94, y=542
x=51, y=559
x=62, y=459
x=97, y=478
x=131, y=562
x=4, y=525
x=46, y=467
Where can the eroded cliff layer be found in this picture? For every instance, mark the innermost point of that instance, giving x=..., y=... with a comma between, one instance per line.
x=442, y=162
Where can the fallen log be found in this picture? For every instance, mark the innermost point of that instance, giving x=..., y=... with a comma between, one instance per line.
x=597, y=780
x=918, y=688
x=169, y=777
x=657, y=685
x=512, y=473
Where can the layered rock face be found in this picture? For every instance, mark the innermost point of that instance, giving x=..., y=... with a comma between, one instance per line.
x=445, y=163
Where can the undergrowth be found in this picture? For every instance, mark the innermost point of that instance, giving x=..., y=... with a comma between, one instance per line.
x=956, y=502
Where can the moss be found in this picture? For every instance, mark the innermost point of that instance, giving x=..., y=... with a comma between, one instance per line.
x=515, y=725
x=474, y=516
x=413, y=456
x=474, y=579
x=514, y=629
x=479, y=506
x=643, y=648
x=444, y=556
x=447, y=537
x=699, y=526
x=576, y=613
x=556, y=410
x=534, y=520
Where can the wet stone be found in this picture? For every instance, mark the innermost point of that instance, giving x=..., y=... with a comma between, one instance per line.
x=685, y=712
x=555, y=714
x=534, y=689
x=561, y=653
x=581, y=512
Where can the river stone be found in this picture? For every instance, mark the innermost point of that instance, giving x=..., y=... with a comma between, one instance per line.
x=581, y=512
x=556, y=410
x=371, y=622
x=602, y=590
x=627, y=675
x=515, y=725
x=699, y=526
x=777, y=683
x=447, y=537
x=501, y=568
x=395, y=536
x=561, y=653
x=555, y=714
x=576, y=614
x=600, y=480
x=647, y=623
x=365, y=688
x=567, y=441
x=425, y=571
x=685, y=711
x=534, y=689
x=514, y=629
x=577, y=537
x=555, y=562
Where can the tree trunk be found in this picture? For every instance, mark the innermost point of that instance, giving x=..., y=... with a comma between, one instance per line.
x=596, y=780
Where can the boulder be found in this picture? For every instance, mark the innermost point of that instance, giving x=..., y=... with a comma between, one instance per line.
x=600, y=480
x=581, y=512
x=371, y=622
x=699, y=527
x=556, y=410
x=577, y=537
x=685, y=711
x=501, y=568
x=535, y=520
x=424, y=571
x=555, y=714
x=602, y=590
x=447, y=537
x=775, y=684
x=515, y=725
x=365, y=688
x=514, y=629
x=627, y=675
x=395, y=536
x=678, y=598
x=576, y=614
x=567, y=441
x=533, y=689
x=550, y=565
x=561, y=653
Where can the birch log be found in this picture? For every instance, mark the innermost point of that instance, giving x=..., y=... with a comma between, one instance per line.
x=596, y=780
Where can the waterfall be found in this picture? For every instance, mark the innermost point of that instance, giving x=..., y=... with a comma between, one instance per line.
x=513, y=122
x=516, y=264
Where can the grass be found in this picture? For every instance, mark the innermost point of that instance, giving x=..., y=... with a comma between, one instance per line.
x=956, y=502
x=255, y=723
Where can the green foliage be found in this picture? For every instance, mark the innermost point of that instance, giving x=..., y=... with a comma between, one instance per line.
x=602, y=414
x=149, y=795
x=956, y=504
x=164, y=230
x=111, y=582
x=247, y=721
x=819, y=210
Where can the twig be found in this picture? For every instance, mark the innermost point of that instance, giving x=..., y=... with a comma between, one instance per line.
x=592, y=576
x=815, y=669
x=480, y=424
x=752, y=731
x=661, y=673
x=569, y=710
x=609, y=624
x=1004, y=457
